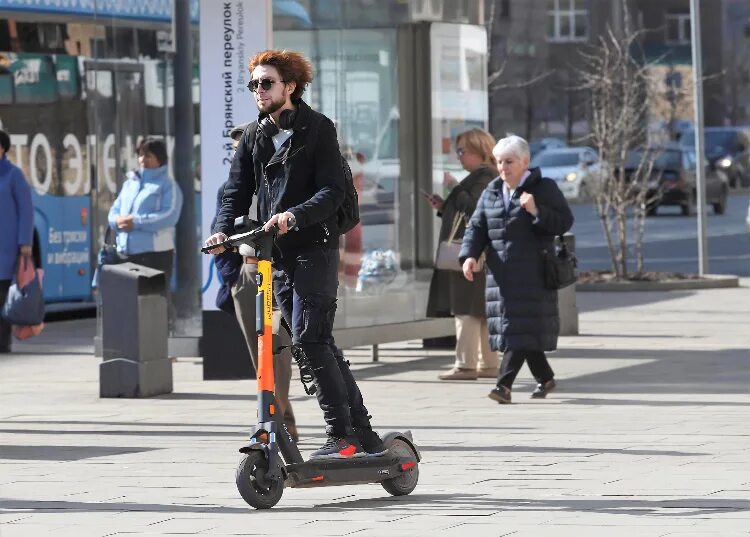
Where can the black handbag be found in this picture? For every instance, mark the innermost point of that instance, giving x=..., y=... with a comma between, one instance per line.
x=559, y=266
x=108, y=255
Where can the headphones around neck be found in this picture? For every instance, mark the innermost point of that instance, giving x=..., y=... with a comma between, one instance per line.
x=270, y=129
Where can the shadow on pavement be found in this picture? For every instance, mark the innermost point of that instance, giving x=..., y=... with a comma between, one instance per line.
x=688, y=372
x=64, y=453
x=466, y=503
x=596, y=301
x=548, y=450
x=120, y=432
x=207, y=396
x=591, y=401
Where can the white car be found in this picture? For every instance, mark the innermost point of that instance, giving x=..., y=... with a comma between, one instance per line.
x=574, y=168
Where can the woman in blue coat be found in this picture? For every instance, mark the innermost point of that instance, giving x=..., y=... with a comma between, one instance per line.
x=146, y=210
x=518, y=216
x=16, y=227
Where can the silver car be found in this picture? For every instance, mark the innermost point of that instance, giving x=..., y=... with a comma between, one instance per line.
x=574, y=169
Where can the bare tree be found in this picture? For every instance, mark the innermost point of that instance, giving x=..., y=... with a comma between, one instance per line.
x=620, y=91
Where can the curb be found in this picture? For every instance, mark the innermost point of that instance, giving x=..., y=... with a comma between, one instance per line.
x=709, y=281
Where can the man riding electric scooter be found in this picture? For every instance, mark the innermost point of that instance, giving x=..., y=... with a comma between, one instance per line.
x=292, y=162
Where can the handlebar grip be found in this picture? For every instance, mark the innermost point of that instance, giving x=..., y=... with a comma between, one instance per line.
x=207, y=249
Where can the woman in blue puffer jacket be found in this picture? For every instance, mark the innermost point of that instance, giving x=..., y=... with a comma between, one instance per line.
x=146, y=211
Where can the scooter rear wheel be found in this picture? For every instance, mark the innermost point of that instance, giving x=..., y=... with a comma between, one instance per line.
x=407, y=481
x=255, y=486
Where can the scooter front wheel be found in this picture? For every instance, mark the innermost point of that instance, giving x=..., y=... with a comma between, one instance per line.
x=407, y=481
x=256, y=487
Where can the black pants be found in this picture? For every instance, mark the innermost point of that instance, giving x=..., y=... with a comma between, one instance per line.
x=4, y=325
x=513, y=361
x=305, y=286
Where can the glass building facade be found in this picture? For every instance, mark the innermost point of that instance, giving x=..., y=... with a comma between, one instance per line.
x=81, y=83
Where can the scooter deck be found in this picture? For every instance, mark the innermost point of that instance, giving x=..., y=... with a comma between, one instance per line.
x=352, y=471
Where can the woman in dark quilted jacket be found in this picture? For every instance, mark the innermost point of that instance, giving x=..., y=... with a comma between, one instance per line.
x=517, y=217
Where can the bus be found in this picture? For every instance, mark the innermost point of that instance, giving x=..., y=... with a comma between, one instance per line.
x=74, y=124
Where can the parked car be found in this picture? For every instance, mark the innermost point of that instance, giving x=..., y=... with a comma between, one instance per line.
x=673, y=180
x=542, y=144
x=574, y=169
x=727, y=149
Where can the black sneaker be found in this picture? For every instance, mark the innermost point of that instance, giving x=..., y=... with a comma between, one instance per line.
x=501, y=395
x=543, y=388
x=370, y=441
x=337, y=447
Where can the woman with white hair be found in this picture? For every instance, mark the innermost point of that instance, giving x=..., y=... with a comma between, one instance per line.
x=518, y=216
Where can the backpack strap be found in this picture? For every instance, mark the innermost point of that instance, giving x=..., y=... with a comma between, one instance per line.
x=250, y=133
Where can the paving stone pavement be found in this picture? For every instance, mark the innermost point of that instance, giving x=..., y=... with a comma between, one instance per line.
x=647, y=435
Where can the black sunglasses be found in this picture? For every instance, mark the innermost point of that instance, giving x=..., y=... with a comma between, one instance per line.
x=264, y=83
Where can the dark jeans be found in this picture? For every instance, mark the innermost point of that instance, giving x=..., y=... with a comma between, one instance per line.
x=305, y=286
x=4, y=325
x=513, y=361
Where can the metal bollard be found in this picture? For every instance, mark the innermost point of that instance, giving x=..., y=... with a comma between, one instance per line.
x=566, y=298
x=134, y=332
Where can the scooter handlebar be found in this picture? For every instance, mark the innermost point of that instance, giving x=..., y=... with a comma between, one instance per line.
x=248, y=237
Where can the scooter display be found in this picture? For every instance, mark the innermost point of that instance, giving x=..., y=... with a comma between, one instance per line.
x=271, y=459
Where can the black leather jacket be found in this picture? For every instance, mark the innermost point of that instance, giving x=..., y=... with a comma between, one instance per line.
x=304, y=177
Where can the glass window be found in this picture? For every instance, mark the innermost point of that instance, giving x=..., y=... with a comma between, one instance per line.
x=568, y=20
x=677, y=28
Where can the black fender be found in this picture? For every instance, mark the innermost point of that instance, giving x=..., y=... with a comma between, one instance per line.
x=406, y=436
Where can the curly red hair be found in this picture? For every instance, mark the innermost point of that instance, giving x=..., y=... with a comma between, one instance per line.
x=292, y=66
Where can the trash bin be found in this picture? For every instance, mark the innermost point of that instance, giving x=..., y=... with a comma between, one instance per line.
x=134, y=332
x=566, y=298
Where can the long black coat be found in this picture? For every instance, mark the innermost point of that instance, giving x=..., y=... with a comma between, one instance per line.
x=450, y=292
x=521, y=313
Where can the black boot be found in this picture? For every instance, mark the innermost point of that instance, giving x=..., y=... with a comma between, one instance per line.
x=543, y=388
x=370, y=441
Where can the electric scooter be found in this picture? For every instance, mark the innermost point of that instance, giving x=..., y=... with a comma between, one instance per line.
x=262, y=474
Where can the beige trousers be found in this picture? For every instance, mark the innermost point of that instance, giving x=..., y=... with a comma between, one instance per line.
x=243, y=293
x=473, y=344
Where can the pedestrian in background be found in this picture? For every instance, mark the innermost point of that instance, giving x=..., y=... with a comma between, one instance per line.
x=16, y=227
x=237, y=296
x=450, y=292
x=518, y=216
x=146, y=211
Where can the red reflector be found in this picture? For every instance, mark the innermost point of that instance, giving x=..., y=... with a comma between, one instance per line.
x=407, y=466
x=81, y=272
x=317, y=478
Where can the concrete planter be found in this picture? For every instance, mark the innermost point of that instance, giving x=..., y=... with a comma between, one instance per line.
x=709, y=281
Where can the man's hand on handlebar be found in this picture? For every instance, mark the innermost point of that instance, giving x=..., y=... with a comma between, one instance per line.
x=216, y=238
x=284, y=221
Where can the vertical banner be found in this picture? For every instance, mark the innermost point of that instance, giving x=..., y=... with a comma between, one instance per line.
x=230, y=33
